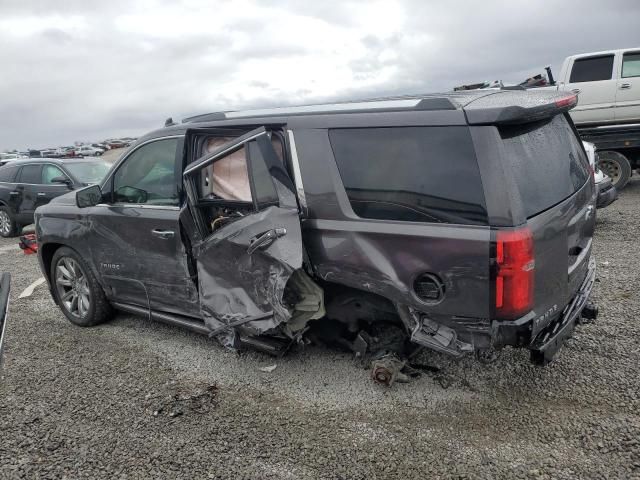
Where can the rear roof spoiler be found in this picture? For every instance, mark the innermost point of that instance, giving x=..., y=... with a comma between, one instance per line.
x=508, y=107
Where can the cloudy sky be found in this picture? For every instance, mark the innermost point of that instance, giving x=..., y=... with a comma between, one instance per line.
x=87, y=70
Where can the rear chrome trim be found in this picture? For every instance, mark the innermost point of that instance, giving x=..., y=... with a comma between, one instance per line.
x=297, y=176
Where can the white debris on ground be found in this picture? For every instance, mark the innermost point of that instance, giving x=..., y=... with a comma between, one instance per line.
x=27, y=292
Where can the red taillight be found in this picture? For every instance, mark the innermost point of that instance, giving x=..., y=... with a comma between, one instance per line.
x=514, y=273
x=569, y=101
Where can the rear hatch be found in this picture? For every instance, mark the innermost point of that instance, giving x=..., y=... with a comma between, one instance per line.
x=552, y=174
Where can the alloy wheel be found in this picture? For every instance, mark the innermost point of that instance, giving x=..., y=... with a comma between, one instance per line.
x=73, y=287
x=5, y=223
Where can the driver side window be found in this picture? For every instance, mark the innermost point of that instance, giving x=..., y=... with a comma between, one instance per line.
x=148, y=175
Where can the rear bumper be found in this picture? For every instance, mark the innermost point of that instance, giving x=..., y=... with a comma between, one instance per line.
x=546, y=343
x=607, y=194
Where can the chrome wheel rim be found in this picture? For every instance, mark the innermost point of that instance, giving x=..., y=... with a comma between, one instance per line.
x=611, y=168
x=73, y=287
x=5, y=223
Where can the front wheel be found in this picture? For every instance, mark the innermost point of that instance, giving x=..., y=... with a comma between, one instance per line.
x=616, y=166
x=78, y=293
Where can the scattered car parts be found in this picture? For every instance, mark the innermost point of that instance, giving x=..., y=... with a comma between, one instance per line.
x=5, y=288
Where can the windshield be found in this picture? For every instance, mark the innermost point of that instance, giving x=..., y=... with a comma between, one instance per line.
x=88, y=172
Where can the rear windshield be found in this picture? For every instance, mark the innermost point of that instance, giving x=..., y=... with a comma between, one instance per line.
x=414, y=174
x=8, y=173
x=548, y=162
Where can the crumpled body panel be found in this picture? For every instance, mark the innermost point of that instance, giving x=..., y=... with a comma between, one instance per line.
x=244, y=290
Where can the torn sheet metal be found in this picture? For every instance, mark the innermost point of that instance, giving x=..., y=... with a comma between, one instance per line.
x=242, y=288
x=308, y=301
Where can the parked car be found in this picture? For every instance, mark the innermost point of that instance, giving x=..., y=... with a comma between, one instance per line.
x=116, y=143
x=100, y=146
x=27, y=184
x=5, y=287
x=342, y=221
x=88, y=151
x=606, y=191
x=49, y=153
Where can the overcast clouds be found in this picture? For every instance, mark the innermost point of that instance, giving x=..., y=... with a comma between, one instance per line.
x=84, y=70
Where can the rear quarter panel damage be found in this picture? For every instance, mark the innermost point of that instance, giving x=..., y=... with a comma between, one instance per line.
x=385, y=257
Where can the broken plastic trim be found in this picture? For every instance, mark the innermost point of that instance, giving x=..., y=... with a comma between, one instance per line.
x=431, y=334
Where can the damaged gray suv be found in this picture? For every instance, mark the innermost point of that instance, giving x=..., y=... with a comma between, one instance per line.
x=458, y=222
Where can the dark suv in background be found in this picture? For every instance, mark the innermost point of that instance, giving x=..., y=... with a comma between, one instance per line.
x=27, y=184
x=459, y=222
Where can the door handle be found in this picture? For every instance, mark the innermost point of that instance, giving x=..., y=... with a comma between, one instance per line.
x=625, y=86
x=575, y=90
x=163, y=234
x=265, y=239
x=14, y=193
x=41, y=194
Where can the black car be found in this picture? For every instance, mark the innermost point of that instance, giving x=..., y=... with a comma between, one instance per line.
x=27, y=184
x=458, y=222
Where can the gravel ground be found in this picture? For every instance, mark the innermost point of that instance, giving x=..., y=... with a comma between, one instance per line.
x=135, y=399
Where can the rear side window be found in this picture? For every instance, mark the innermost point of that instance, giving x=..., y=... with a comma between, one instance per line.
x=548, y=162
x=414, y=174
x=7, y=174
x=31, y=174
x=631, y=65
x=592, y=69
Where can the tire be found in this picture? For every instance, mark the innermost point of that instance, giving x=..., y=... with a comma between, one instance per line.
x=616, y=166
x=8, y=225
x=87, y=305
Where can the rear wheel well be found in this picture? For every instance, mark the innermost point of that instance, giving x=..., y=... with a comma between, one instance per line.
x=352, y=306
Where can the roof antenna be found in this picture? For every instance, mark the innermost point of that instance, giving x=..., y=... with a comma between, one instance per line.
x=169, y=122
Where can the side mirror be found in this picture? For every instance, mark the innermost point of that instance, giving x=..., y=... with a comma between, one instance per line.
x=63, y=180
x=88, y=196
x=128, y=194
